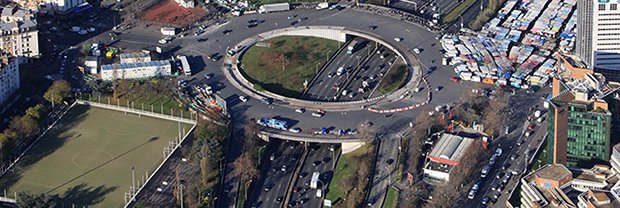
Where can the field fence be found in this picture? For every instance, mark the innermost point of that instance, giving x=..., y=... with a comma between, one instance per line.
x=24, y=144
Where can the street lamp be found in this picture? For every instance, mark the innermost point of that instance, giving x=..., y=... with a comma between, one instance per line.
x=462, y=21
x=327, y=56
x=316, y=70
x=259, y=153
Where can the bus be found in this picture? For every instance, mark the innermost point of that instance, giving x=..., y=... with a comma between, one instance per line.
x=314, y=180
x=352, y=47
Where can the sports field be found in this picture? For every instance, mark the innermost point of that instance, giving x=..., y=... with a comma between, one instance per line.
x=87, y=158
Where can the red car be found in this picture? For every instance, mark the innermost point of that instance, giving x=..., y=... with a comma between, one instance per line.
x=530, y=126
x=455, y=79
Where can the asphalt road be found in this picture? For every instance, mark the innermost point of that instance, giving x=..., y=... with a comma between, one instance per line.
x=522, y=103
x=321, y=159
x=276, y=175
x=372, y=72
x=385, y=166
x=413, y=37
x=324, y=88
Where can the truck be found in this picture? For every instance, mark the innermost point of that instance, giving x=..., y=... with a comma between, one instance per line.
x=485, y=171
x=314, y=180
x=268, y=8
x=273, y=123
x=185, y=65
x=322, y=5
x=351, y=47
x=168, y=31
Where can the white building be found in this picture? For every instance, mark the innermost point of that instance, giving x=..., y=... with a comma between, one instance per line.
x=186, y=3
x=136, y=70
x=9, y=78
x=135, y=57
x=597, y=36
x=63, y=5
x=615, y=159
x=446, y=154
x=91, y=64
x=19, y=35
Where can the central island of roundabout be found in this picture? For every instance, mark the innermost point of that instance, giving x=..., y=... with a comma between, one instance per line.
x=318, y=70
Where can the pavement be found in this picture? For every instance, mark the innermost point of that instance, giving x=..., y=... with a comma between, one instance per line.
x=385, y=167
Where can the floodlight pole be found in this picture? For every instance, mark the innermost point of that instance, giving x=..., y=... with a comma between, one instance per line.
x=133, y=181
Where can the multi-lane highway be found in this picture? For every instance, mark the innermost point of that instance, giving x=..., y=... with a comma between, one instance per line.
x=321, y=158
x=385, y=166
x=276, y=174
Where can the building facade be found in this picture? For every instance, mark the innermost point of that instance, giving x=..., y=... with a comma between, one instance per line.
x=50, y=5
x=615, y=159
x=19, y=35
x=581, y=118
x=597, y=36
x=136, y=70
x=9, y=78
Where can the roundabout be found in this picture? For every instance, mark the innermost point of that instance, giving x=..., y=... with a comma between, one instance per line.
x=397, y=37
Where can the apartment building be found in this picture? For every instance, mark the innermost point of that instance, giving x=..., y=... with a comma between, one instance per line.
x=19, y=35
x=9, y=78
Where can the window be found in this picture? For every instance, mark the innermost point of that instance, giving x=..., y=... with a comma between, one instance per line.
x=613, y=7
x=601, y=7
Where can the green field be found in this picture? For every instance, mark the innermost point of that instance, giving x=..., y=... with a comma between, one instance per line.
x=160, y=103
x=391, y=199
x=283, y=67
x=87, y=158
x=344, y=168
x=393, y=80
x=452, y=15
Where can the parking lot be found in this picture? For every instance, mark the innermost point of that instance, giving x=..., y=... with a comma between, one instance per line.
x=352, y=74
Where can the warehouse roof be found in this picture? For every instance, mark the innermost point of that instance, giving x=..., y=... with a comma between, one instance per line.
x=450, y=148
x=135, y=65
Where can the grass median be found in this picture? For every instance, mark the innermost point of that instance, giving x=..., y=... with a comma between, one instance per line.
x=452, y=15
x=346, y=167
x=391, y=200
x=393, y=80
x=283, y=64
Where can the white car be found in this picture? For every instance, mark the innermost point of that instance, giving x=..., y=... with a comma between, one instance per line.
x=416, y=50
x=398, y=39
x=163, y=41
x=83, y=32
x=243, y=99
x=300, y=110
x=319, y=193
x=92, y=29
x=295, y=130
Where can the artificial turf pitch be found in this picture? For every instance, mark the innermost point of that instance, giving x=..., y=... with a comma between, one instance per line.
x=87, y=158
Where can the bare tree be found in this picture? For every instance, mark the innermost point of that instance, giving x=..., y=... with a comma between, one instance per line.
x=245, y=168
x=495, y=113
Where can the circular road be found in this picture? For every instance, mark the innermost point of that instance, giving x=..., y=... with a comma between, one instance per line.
x=388, y=28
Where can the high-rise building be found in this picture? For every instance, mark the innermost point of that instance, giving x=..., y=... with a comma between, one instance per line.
x=9, y=78
x=597, y=36
x=582, y=112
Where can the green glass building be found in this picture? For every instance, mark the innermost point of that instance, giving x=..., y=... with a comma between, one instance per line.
x=580, y=121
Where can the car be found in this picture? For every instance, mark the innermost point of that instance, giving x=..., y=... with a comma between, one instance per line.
x=319, y=193
x=513, y=157
x=226, y=32
x=398, y=39
x=243, y=98
x=372, y=77
x=500, y=175
x=83, y=32
x=200, y=40
x=327, y=159
x=455, y=79
x=318, y=114
x=382, y=56
x=274, y=170
x=307, y=183
x=330, y=75
x=500, y=187
x=438, y=88
x=267, y=188
x=208, y=76
x=496, y=187
x=331, y=148
x=295, y=130
x=416, y=50
x=531, y=126
x=496, y=196
x=300, y=110
x=267, y=101
x=279, y=200
x=372, y=27
x=283, y=168
x=352, y=95
x=505, y=166
x=252, y=25
x=302, y=174
x=92, y=30
x=485, y=200
x=162, y=41
x=272, y=157
x=316, y=163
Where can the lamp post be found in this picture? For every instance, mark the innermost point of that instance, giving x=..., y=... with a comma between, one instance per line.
x=316, y=70
x=259, y=154
x=327, y=56
x=462, y=24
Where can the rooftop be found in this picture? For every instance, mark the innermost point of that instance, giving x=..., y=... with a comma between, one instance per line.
x=449, y=149
x=135, y=65
x=554, y=172
x=599, y=199
x=140, y=54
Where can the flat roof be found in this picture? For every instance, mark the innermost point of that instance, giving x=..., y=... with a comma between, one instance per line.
x=135, y=65
x=450, y=147
x=554, y=172
x=141, y=54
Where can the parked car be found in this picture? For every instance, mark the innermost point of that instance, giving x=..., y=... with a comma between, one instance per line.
x=243, y=99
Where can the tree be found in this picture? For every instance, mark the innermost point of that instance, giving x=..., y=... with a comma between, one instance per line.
x=35, y=111
x=23, y=126
x=245, y=168
x=58, y=91
x=26, y=199
x=495, y=113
